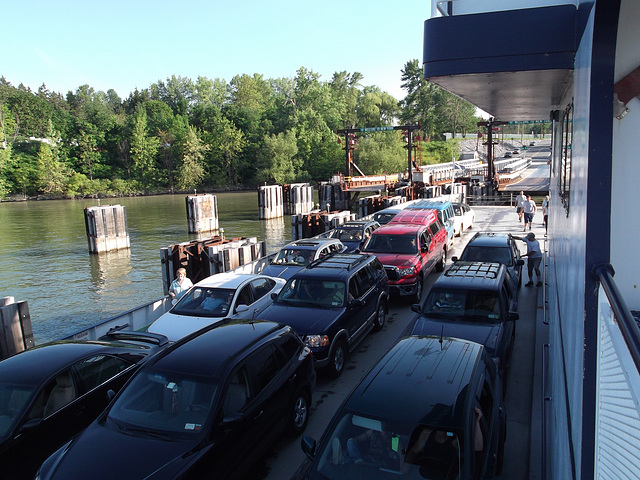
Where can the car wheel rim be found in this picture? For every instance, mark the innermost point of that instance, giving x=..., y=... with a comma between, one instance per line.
x=381, y=315
x=300, y=412
x=338, y=359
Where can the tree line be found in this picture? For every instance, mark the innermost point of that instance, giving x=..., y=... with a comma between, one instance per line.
x=179, y=135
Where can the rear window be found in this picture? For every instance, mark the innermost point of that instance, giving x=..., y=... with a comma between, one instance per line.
x=487, y=254
x=472, y=305
x=381, y=243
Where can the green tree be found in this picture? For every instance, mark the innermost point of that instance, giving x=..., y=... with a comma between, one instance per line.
x=381, y=153
x=191, y=169
x=51, y=173
x=178, y=92
x=421, y=103
x=143, y=149
x=458, y=114
x=88, y=155
x=277, y=161
x=230, y=145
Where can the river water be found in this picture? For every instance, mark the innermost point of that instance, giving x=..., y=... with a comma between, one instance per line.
x=45, y=259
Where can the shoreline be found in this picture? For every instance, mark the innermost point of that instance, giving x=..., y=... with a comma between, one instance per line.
x=41, y=198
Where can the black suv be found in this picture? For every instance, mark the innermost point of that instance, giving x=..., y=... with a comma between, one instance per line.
x=472, y=300
x=210, y=404
x=51, y=392
x=431, y=408
x=495, y=247
x=332, y=304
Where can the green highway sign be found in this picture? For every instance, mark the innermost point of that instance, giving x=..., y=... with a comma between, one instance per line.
x=521, y=122
x=376, y=129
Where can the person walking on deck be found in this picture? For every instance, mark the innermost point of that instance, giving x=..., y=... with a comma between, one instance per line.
x=529, y=209
x=520, y=199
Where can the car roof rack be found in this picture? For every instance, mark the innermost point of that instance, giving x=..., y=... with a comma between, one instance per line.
x=343, y=261
x=474, y=269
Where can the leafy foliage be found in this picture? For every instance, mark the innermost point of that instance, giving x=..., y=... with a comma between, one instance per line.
x=181, y=134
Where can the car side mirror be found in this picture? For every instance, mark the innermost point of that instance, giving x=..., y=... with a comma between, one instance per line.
x=512, y=316
x=274, y=296
x=415, y=308
x=234, y=418
x=424, y=248
x=110, y=394
x=32, y=424
x=308, y=445
x=519, y=263
x=356, y=302
x=243, y=308
x=454, y=259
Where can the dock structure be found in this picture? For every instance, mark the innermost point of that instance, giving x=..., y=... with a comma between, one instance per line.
x=202, y=213
x=203, y=258
x=16, y=333
x=317, y=222
x=270, y=201
x=298, y=198
x=373, y=203
x=106, y=228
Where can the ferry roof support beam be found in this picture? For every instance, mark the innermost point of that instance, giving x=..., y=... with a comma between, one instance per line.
x=530, y=50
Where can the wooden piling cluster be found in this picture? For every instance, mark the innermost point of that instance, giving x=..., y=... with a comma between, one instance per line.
x=374, y=203
x=106, y=228
x=202, y=213
x=16, y=333
x=314, y=223
x=331, y=196
x=203, y=258
x=298, y=198
x=270, y=201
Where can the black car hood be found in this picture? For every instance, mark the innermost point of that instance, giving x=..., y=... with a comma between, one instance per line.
x=101, y=453
x=304, y=321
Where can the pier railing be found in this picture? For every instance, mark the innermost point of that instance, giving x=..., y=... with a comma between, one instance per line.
x=618, y=383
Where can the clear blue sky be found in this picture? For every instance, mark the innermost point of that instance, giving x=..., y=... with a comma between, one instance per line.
x=128, y=44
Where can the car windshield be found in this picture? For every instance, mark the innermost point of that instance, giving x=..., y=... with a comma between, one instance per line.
x=205, y=302
x=293, y=256
x=362, y=447
x=13, y=400
x=468, y=305
x=487, y=254
x=381, y=243
x=164, y=404
x=306, y=292
x=347, y=234
x=384, y=217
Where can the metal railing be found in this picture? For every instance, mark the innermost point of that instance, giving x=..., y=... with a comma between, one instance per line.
x=623, y=317
x=488, y=200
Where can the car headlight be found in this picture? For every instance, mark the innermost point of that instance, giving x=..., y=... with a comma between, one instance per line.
x=314, y=341
x=406, y=272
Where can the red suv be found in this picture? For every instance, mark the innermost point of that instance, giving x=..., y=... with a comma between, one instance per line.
x=409, y=251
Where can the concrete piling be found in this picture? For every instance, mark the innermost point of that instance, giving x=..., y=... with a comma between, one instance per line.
x=16, y=333
x=106, y=228
x=202, y=213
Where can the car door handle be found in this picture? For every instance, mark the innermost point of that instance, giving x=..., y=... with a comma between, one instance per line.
x=292, y=378
x=258, y=415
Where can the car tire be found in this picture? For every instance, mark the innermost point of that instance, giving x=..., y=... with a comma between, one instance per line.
x=299, y=413
x=381, y=316
x=337, y=359
x=441, y=263
x=417, y=296
x=500, y=452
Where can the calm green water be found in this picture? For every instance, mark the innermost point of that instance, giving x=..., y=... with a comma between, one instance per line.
x=45, y=260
